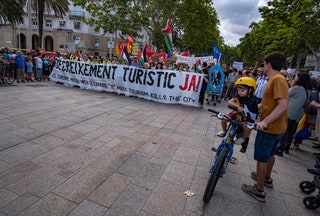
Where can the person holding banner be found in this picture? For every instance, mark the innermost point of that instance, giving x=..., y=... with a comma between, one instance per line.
x=205, y=72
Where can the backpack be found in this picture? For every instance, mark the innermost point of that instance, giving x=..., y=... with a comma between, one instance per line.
x=314, y=96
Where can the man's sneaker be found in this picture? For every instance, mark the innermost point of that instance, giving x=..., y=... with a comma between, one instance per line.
x=314, y=171
x=254, y=192
x=221, y=133
x=239, y=141
x=267, y=181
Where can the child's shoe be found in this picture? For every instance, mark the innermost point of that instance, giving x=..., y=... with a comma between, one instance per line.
x=221, y=133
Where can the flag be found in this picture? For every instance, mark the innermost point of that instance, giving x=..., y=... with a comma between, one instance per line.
x=119, y=49
x=169, y=55
x=168, y=35
x=162, y=56
x=43, y=52
x=205, y=54
x=186, y=53
x=216, y=51
x=198, y=65
x=140, y=57
x=129, y=39
x=51, y=55
x=302, y=131
x=125, y=55
x=31, y=52
x=129, y=42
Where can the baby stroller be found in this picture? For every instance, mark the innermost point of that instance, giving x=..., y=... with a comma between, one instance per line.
x=216, y=78
x=313, y=201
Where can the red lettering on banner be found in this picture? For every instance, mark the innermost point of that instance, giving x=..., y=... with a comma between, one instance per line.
x=193, y=84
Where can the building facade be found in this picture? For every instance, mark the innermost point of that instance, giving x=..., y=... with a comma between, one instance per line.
x=64, y=35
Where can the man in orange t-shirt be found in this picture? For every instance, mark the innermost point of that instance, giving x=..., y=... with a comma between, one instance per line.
x=272, y=126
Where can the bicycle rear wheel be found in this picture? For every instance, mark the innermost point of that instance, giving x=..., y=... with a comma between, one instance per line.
x=215, y=175
x=9, y=77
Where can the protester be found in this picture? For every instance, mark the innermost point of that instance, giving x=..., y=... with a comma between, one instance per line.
x=273, y=124
x=297, y=93
x=20, y=64
x=205, y=82
x=232, y=78
x=262, y=80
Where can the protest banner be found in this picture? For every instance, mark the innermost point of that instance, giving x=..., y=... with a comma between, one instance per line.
x=164, y=86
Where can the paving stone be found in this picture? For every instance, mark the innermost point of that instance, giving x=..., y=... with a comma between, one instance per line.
x=46, y=127
x=19, y=172
x=149, y=175
x=21, y=203
x=4, y=166
x=162, y=156
x=130, y=201
x=110, y=190
x=47, y=186
x=148, y=149
x=186, y=155
x=166, y=199
x=50, y=205
x=49, y=141
x=133, y=165
x=79, y=186
x=67, y=134
x=87, y=208
x=179, y=173
x=33, y=180
x=10, y=140
x=22, y=152
x=52, y=155
x=6, y=197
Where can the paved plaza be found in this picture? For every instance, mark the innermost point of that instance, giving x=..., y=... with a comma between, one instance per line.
x=69, y=151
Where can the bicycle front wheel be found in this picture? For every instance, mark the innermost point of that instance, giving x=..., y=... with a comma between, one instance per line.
x=9, y=78
x=215, y=175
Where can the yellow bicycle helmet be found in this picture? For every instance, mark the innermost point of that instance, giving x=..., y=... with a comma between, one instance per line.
x=247, y=81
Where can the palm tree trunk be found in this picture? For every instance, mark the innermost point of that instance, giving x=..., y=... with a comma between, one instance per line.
x=40, y=20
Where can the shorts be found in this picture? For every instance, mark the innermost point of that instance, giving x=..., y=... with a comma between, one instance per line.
x=265, y=146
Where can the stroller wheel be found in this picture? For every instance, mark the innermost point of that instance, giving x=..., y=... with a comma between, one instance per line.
x=311, y=202
x=307, y=187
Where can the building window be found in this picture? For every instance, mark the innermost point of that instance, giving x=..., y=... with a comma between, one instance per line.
x=77, y=25
x=62, y=23
x=48, y=23
x=34, y=22
x=97, y=43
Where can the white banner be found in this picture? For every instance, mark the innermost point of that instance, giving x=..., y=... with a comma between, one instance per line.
x=238, y=65
x=192, y=60
x=164, y=86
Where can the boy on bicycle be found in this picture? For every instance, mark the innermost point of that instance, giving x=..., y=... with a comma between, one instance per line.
x=246, y=103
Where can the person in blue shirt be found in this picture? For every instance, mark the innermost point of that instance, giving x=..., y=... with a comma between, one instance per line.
x=20, y=62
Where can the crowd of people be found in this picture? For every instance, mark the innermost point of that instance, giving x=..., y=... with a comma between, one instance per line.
x=269, y=92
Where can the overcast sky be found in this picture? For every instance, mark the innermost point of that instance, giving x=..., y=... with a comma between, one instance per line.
x=235, y=17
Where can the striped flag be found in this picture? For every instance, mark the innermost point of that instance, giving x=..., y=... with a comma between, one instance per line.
x=168, y=35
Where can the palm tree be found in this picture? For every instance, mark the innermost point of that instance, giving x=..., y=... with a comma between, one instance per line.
x=60, y=8
x=11, y=11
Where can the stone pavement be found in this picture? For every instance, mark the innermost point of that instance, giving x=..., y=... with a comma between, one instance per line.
x=68, y=151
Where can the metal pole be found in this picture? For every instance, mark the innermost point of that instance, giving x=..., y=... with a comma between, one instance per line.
x=29, y=26
x=110, y=55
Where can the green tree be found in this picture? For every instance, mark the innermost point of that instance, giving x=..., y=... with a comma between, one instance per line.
x=289, y=26
x=11, y=11
x=59, y=7
x=193, y=22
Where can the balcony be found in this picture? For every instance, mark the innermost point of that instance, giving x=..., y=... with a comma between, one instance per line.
x=75, y=14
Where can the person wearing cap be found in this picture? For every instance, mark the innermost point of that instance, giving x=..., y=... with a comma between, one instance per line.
x=135, y=62
x=20, y=62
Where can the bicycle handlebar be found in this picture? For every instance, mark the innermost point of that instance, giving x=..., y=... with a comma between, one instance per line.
x=220, y=115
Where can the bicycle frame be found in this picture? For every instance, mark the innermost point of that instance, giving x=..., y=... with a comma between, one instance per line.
x=223, y=154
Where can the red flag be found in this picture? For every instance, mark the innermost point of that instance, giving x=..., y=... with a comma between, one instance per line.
x=186, y=53
x=43, y=52
x=51, y=55
x=31, y=52
x=198, y=65
x=129, y=40
x=162, y=56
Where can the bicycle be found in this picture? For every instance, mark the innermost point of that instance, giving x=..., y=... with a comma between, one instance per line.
x=224, y=151
x=6, y=74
